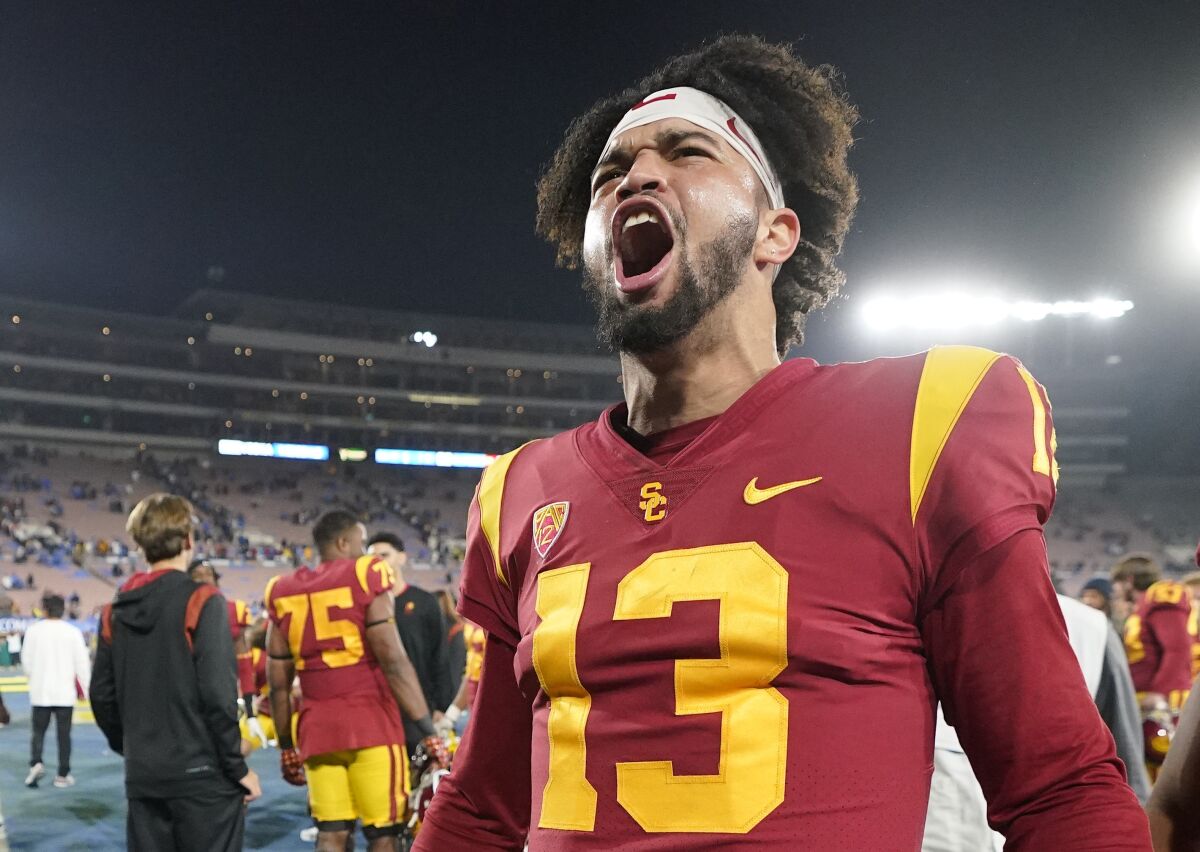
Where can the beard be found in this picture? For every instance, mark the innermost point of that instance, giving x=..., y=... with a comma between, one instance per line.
x=641, y=330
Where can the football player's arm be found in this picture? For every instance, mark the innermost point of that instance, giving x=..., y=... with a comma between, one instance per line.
x=471, y=810
x=1012, y=687
x=385, y=644
x=1117, y=703
x=1174, y=817
x=103, y=696
x=216, y=681
x=281, y=671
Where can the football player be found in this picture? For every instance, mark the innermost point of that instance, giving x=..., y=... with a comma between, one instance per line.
x=240, y=618
x=720, y=616
x=1158, y=644
x=335, y=625
x=475, y=640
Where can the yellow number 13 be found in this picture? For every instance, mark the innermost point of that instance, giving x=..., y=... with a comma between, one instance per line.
x=752, y=632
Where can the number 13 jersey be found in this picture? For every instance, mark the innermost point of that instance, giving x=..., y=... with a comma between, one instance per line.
x=724, y=649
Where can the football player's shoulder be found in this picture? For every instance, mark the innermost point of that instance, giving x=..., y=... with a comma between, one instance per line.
x=1168, y=594
x=273, y=588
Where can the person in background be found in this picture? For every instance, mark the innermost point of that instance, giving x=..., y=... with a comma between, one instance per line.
x=348, y=737
x=1192, y=582
x=1097, y=593
x=14, y=648
x=422, y=631
x=456, y=644
x=165, y=694
x=475, y=640
x=55, y=660
x=202, y=571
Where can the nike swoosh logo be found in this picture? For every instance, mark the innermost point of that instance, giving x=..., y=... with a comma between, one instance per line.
x=754, y=495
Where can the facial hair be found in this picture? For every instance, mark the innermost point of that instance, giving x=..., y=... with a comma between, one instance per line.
x=641, y=330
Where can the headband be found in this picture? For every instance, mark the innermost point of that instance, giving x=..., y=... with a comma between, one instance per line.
x=705, y=111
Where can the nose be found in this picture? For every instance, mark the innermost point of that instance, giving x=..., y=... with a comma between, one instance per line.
x=646, y=174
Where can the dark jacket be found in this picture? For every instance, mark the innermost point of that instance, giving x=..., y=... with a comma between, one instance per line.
x=164, y=689
x=423, y=635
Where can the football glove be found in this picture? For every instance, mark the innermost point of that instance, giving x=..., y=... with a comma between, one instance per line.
x=256, y=729
x=292, y=767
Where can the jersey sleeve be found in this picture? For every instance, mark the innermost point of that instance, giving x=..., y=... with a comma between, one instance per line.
x=373, y=577
x=982, y=464
x=488, y=590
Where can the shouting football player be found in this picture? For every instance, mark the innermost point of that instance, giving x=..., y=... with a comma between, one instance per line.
x=336, y=625
x=720, y=616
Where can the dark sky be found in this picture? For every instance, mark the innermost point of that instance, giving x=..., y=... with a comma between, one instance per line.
x=386, y=154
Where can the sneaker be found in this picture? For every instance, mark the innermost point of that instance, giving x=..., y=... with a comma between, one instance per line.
x=35, y=774
x=67, y=780
x=309, y=835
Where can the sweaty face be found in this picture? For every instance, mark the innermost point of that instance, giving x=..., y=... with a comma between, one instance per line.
x=669, y=234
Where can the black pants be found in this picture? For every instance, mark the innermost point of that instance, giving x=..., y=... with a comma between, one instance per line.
x=208, y=823
x=62, y=724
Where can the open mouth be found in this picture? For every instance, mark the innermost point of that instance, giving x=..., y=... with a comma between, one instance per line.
x=642, y=244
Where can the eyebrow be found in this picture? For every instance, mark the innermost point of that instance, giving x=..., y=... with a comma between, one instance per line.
x=664, y=139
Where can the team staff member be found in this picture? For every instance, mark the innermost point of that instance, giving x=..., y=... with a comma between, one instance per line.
x=164, y=692
x=335, y=625
x=690, y=600
x=422, y=632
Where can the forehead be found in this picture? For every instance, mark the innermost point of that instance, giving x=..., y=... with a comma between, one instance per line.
x=664, y=130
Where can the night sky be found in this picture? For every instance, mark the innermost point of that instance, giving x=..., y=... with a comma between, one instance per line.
x=386, y=154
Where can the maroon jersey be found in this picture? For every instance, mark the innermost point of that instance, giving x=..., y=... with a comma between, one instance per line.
x=347, y=702
x=1158, y=643
x=725, y=649
x=239, y=620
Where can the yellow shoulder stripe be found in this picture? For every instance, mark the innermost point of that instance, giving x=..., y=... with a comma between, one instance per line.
x=270, y=588
x=948, y=381
x=361, y=566
x=491, y=493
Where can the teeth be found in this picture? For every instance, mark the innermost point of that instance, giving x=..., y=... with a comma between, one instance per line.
x=639, y=218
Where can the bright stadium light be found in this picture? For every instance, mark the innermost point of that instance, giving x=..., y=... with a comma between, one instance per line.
x=427, y=337
x=954, y=310
x=1181, y=243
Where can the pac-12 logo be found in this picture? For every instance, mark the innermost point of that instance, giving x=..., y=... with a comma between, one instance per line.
x=654, y=502
x=548, y=523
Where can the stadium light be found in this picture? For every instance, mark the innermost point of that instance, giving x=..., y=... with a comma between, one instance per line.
x=427, y=337
x=1182, y=233
x=433, y=458
x=954, y=310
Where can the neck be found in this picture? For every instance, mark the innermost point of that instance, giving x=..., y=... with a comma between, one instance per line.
x=175, y=563
x=705, y=372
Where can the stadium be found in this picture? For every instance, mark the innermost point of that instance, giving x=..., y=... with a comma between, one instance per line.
x=297, y=386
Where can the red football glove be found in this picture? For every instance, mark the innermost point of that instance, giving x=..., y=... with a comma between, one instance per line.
x=292, y=767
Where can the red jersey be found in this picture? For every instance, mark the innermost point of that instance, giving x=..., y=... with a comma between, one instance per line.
x=1158, y=643
x=741, y=646
x=347, y=701
x=239, y=620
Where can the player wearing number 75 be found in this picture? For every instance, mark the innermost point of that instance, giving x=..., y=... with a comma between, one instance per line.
x=720, y=616
x=335, y=625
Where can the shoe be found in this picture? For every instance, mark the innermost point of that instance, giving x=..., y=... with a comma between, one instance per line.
x=35, y=774
x=309, y=835
x=67, y=780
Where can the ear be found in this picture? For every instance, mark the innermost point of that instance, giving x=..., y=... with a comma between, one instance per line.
x=778, y=236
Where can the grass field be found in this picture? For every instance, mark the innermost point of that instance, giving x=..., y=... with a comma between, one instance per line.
x=91, y=815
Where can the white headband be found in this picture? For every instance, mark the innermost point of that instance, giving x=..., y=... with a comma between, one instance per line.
x=702, y=109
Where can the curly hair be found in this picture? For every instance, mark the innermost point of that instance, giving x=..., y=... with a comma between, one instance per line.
x=803, y=120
